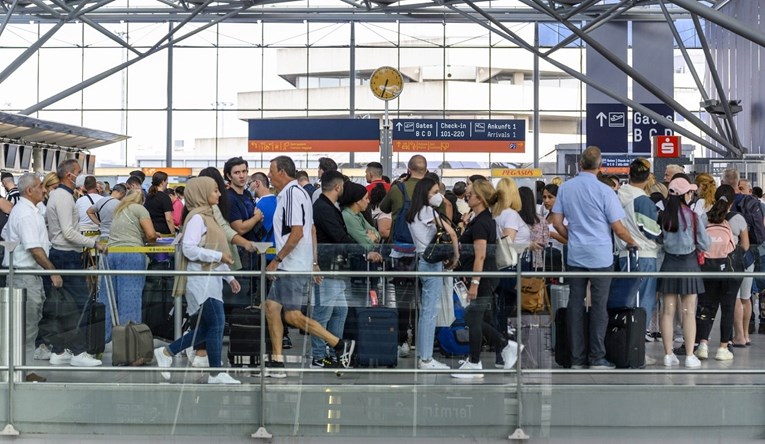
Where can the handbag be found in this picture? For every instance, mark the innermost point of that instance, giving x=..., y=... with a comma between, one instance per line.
x=534, y=297
x=507, y=256
x=440, y=248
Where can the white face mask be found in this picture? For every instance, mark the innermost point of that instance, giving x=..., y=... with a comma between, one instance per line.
x=436, y=200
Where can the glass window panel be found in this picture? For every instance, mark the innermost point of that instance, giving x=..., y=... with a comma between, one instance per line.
x=281, y=86
x=18, y=35
x=147, y=131
x=60, y=69
x=194, y=78
x=423, y=35
x=376, y=34
x=240, y=34
x=204, y=39
x=196, y=128
x=285, y=35
x=329, y=34
x=20, y=89
x=466, y=35
x=147, y=82
x=94, y=38
x=110, y=92
x=68, y=36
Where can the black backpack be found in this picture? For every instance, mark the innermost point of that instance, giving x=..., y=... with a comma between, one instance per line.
x=402, y=237
x=749, y=207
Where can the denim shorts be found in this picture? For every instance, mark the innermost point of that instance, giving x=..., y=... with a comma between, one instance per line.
x=291, y=291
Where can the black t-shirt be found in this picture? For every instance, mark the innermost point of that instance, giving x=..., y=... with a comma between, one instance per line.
x=157, y=206
x=484, y=227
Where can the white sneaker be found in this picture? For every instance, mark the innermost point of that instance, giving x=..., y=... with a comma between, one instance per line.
x=649, y=360
x=404, y=350
x=692, y=362
x=432, y=365
x=222, y=378
x=468, y=366
x=201, y=362
x=702, y=352
x=62, y=359
x=85, y=359
x=510, y=354
x=163, y=361
x=670, y=360
x=42, y=353
x=191, y=353
x=723, y=354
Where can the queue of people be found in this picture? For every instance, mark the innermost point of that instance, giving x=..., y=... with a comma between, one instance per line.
x=581, y=225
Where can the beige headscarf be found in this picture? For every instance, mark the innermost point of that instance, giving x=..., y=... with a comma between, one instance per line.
x=197, y=193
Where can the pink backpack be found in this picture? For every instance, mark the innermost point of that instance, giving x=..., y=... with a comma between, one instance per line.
x=722, y=241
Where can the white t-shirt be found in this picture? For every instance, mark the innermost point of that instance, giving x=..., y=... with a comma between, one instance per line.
x=510, y=218
x=293, y=208
x=423, y=228
x=83, y=203
x=737, y=225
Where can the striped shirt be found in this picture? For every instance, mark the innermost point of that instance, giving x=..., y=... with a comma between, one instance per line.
x=293, y=208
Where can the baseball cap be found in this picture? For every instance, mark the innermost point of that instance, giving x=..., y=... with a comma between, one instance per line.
x=680, y=186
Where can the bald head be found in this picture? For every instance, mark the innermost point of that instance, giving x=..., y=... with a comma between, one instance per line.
x=591, y=158
x=417, y=166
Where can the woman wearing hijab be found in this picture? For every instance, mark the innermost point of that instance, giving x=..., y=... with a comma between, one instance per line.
x=204, y=248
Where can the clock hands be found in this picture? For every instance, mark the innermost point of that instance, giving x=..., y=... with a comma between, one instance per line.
x=385, y=87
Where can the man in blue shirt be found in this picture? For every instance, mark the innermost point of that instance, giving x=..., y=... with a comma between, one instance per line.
x=592, y=211
x=245, y=219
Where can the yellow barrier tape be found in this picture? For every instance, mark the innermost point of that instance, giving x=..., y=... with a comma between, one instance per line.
x=146, y=249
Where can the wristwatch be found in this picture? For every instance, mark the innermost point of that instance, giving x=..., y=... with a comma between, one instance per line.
x=277, y=259
x=475, y=282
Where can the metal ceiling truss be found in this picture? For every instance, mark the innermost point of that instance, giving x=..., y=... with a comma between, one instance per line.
x=580, y=17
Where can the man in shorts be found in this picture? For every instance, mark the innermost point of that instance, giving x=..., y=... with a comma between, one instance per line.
x=295, y=246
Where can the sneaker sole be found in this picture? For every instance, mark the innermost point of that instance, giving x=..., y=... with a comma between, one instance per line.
x=467, y=376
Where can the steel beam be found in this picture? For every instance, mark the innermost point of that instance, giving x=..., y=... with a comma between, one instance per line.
x=24, y=56
x=501, y=30
x=93, y=24
x=175, y=29
x=98, y=77
x=723, y=20
x=594, y=24
x=645, y=83
x=8, y=15
x=718, y=85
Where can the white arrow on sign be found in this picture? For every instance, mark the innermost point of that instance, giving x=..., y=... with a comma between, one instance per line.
x=601, y=117
x=398, y=126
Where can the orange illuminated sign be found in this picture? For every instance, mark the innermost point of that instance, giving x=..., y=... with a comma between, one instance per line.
x=169, y=171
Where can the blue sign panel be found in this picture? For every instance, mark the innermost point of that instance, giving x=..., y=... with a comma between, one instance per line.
x=644, y=127
x=617, y=161
x=607, y=127
x=493, y=136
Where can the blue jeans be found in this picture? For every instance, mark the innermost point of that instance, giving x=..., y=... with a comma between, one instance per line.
x=209, y=330
x=598, y=316
x=128, y=289
x=647, y=290
x=71, y=324
x=330, y=310
x=430, y=302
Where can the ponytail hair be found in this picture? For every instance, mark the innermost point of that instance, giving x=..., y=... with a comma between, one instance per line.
x=156, y=180
x=724, y=198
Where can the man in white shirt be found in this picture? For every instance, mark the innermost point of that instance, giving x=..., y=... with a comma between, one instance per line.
x=26, y=226
x=90, y=198
x=66, y=254
x=295, y=246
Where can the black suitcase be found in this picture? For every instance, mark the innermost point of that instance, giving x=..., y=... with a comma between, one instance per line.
x=625, y=337
x=562, y=338
x=95, y=330
x=244, y=337
x=158, y=303
x=377, y=336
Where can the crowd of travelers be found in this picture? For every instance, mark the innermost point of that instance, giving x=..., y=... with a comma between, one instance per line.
x=589, y=223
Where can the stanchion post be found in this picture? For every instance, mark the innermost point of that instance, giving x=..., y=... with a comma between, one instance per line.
x=262, y=432
x=9, y=429
x=519, y=433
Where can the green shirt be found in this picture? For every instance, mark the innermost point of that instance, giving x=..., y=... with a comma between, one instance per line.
x=358, y=226
x=126, y=228
x=394, y=201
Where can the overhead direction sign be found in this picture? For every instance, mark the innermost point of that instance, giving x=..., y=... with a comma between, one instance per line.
x=644, y=128
x=309, y=135
x=607, y=127
x=459, y=136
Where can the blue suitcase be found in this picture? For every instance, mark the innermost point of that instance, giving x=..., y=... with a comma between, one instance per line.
x=377, y=336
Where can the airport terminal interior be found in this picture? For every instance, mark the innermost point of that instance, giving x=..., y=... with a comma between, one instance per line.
x=501, y=89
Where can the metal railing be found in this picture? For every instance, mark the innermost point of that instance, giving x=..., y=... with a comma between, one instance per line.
x=12, y=316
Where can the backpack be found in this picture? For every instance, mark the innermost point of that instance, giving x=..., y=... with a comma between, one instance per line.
x=722, y=241
x=402, y=237
x=749, y=207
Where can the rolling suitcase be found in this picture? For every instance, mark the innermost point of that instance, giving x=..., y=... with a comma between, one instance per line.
x=625, y=334
x=244, y=338
x=559, y=294
x=537, y=342
x=376, y=334
x=132, y=344
x=94, y=319
x=623, y=291
x=158, y=303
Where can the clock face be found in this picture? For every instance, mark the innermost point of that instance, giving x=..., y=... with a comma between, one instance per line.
x=386, y=83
